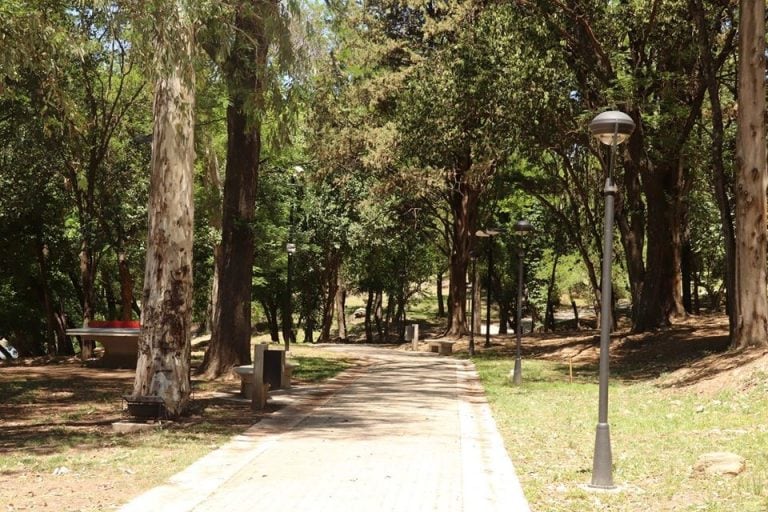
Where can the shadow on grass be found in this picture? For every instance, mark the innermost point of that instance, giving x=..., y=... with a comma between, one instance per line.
x=698, y=347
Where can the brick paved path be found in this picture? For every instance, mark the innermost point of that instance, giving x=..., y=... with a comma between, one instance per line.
x=407, y=432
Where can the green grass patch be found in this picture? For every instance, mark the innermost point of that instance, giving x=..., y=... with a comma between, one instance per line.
x=548, y=425
x=318, y=369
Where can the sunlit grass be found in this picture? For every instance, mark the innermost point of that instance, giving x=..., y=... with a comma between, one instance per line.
x=657, y=435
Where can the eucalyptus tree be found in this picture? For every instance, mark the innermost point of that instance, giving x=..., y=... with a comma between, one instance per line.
x=162, y=369
x=751, y=307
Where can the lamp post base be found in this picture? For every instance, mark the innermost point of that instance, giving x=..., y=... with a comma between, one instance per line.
x=517, y=374
x=602, y=477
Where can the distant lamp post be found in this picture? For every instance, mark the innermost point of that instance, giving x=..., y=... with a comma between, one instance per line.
x=473, y=257
x=610, y=128
x=522, y=228
x=290, y=248
x=488, y=233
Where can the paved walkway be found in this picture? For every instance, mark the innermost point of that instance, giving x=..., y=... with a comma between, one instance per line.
x=407, y=432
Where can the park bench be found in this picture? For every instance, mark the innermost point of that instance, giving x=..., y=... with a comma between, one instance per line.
x=276, y=373
x=444, y=348
x=118, y=337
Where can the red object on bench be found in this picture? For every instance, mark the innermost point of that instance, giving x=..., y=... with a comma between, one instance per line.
x=124, y=324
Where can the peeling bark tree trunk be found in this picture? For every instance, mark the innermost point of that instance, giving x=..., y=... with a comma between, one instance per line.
x=751, y=306
x=162, y=369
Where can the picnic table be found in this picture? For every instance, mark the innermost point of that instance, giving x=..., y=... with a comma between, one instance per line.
x=119, y=339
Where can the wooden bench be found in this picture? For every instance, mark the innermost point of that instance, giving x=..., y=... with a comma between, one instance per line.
x=444, y=348
x=120, y=340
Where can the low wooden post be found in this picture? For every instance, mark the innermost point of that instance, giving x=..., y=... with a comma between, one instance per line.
x=259, y=390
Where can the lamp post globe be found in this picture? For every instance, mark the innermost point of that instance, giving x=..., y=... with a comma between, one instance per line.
x=610, y=128
x=607, y=124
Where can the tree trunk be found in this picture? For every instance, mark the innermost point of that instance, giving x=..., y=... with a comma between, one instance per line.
x=54, y=334
x=549, y=320
x=341, y=317
x=686, y=269
x=575, y=314
x=331, y=286
x=163, y=365
x=463, y=204
x=388, y=317
x=377, y=316
x=126, y=287
x=270, y=311
x=440, y=298
x=368, y=311
x=477, y=291
x=661, y=298
x=87, y=270
x=751, y=306
x=231, y=338
x=725, y=206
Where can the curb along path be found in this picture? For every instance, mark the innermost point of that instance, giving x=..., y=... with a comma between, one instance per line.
x=406, y=432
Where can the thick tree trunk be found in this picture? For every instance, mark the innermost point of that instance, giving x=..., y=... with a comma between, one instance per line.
x=163, y=365
x=661, y=299
x=463, y=203
x=630, y=219
x=751, y=306
x=231, y=337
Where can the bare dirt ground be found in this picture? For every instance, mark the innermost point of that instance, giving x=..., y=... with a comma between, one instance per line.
x=45, y=404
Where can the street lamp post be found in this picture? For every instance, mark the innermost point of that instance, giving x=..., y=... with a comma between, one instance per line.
x=610, y=128
x=290, y=248
x=522, y=227
x=488, y=233
x=473, y=256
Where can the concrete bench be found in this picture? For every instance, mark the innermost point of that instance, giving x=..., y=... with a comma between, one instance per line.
x=120, y=340
x=276, y=372
x=444, y=348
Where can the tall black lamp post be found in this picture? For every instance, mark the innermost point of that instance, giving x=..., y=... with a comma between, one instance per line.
x=610, y=128
x=522, y=228
x=488, y=233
